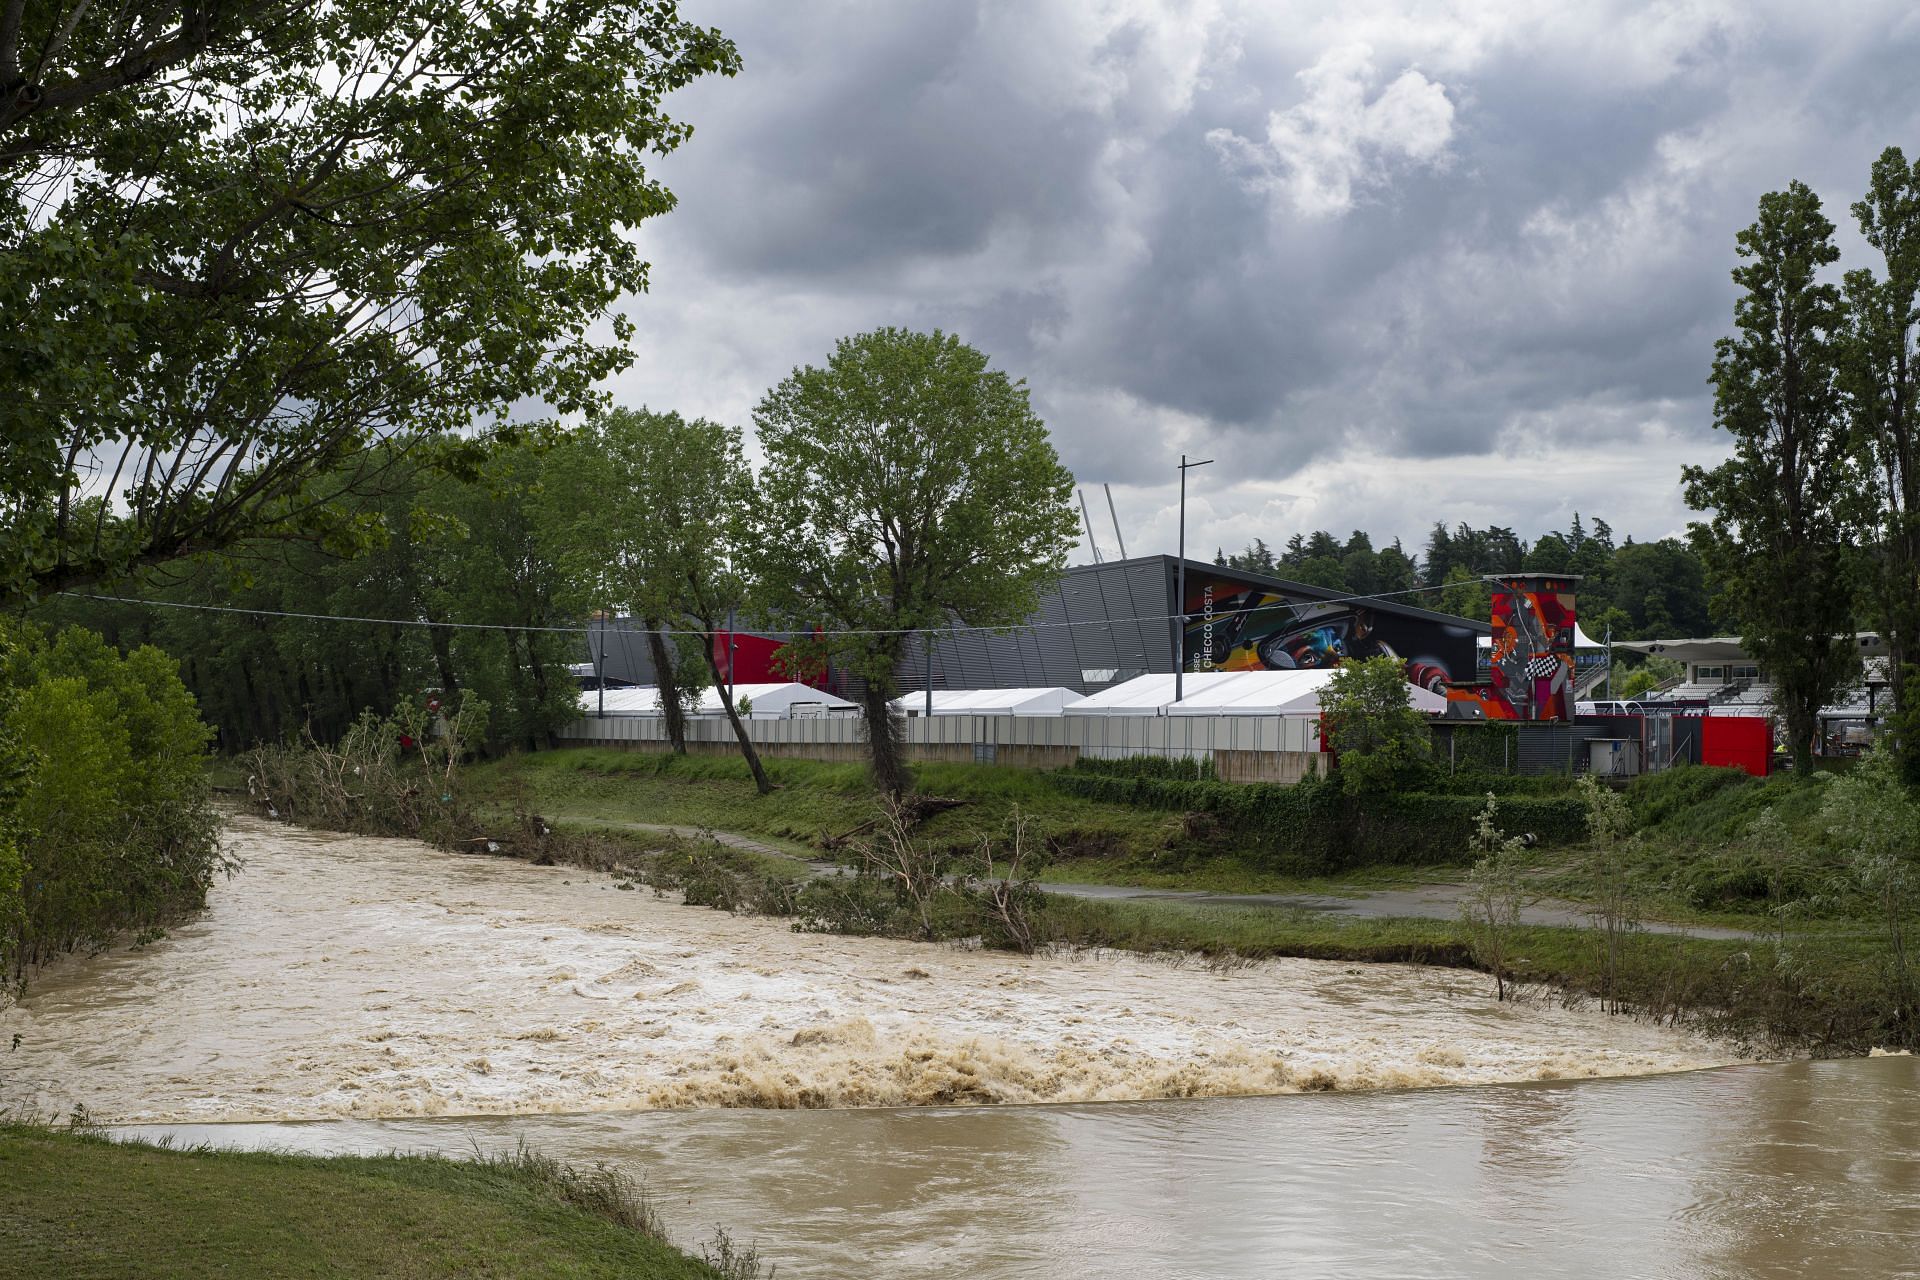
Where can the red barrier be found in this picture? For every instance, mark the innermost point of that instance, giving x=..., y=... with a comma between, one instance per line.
x=1739, y=742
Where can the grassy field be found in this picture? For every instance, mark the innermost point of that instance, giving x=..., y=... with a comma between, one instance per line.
x=816, y=801
x=78, y=1206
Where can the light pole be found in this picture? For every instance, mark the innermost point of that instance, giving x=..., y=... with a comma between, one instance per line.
x=1180, y=587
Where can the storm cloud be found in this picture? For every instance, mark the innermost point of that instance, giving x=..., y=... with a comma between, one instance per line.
x=1387, y=262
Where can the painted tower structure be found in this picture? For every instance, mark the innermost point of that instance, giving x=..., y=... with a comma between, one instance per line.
x=1531, y=669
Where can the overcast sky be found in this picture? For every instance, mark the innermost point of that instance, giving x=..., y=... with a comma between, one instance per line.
x=1387, y=262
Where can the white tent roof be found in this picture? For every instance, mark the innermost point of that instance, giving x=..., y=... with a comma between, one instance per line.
x=769, y=701
x=1228, y=693
x=1265, y=693
x=1051, y=701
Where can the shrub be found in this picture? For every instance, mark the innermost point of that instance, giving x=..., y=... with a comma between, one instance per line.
x=105, y=797
x=1380, y=741
x=391, y=775
x=1313, y=826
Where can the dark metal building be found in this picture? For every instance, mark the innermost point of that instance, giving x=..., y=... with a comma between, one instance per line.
x=1105, y=623
x=1102, y=624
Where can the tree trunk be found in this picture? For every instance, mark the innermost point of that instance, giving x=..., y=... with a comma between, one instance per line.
x=539, y=669
x=669, y=688
x=889, y=763
x=442, y=642
x=747, y=749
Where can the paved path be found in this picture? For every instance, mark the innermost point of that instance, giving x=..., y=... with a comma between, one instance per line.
x=1419, y=902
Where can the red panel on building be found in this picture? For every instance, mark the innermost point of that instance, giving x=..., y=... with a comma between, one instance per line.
x=1738, y=742
x=753, y=657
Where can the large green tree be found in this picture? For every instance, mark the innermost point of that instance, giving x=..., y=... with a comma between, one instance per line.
x=661, y=534
x=1776, y=542
x=906, y=484
x=1881, y=375
x=242, y=241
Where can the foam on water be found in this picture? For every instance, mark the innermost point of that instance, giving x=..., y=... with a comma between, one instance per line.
x=343, y=976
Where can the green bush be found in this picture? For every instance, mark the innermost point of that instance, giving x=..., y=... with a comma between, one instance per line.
x=1313, y=826
x=1658, y=798
x=109, y=809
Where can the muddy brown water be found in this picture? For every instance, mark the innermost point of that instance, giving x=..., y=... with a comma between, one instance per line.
x=344, y=994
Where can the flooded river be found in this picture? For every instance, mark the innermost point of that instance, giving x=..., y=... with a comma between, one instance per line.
x=346, y=994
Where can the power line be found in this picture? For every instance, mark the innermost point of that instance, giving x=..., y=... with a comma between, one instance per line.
x=686, y=631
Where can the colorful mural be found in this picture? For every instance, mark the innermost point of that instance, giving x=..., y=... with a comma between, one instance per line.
x=1531, y=672
x=1234, y=625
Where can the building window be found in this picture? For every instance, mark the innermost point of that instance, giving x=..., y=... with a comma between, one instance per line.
x=1702, y=675
x=1743, y=671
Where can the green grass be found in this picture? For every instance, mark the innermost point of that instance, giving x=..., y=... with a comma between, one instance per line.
x=1228, y=874
x=815, y=800
x=80, y=1206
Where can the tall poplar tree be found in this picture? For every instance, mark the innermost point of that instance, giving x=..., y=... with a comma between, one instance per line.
x=1776, y=542
x=1881, y=375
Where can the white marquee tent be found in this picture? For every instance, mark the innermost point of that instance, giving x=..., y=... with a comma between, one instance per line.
x=780, y=701
x=992, y=702
x=1228, y=693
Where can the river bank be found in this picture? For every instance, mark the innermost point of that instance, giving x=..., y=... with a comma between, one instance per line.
x=353, y=976
x=1770, y=946
x=77, y=1205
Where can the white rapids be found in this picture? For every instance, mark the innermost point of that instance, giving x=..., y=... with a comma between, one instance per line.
x=342, y=976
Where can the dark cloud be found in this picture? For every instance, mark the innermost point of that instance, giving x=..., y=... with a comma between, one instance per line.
x=1367, y=260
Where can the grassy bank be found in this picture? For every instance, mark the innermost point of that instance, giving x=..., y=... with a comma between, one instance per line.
x=77, y=1205
x=817, y=802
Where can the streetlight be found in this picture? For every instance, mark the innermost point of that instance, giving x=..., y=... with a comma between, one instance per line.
x=1180, y=589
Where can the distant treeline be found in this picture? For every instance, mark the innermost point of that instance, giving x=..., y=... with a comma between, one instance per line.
x=426, y=547
x=1640, y=589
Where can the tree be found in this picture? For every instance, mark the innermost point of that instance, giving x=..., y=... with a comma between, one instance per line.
x=1394, y=570
x=440, y=551
x=1550, y=553
x=1776, y=543
x=906, y=484
x=1613, y=901
x=1465, y=595
x=1662, y=588
x=1379, y=740
x=669, y=497
x=1439, y=558
x=1320, y=571
x=1496, y=890
x=251, y=238
x=1880, y=371
x=610, y=549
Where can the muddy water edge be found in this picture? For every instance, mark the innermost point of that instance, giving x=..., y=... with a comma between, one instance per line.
x=344, y=993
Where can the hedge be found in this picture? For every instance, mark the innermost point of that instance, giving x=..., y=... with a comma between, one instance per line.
x=1314, y=826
